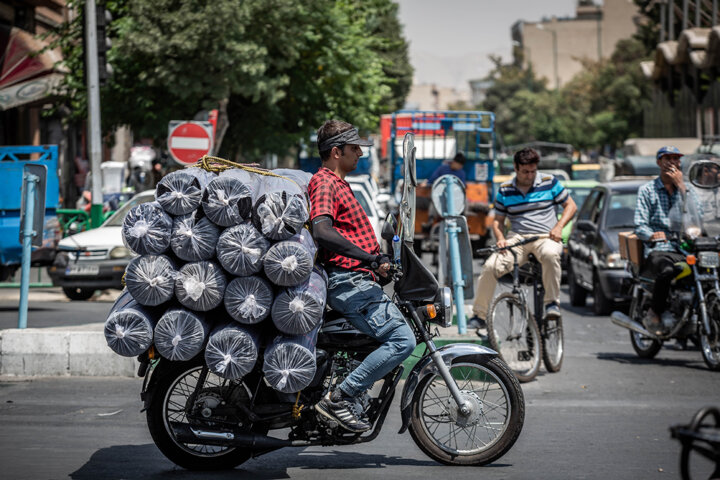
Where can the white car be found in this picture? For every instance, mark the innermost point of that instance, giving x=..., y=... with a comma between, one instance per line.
x=366, y=193
x=95, y=259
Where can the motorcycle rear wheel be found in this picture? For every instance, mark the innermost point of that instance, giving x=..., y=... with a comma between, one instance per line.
x=514, y=334
x=710, y=344
x=553, y=344
x=490, y=430
x=168, y=401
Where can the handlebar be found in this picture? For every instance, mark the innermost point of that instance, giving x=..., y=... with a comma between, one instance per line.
x=495, y=248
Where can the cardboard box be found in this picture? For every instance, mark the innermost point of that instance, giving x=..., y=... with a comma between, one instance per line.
x=631, y=247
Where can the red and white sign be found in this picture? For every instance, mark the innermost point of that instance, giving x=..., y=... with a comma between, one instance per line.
x=189, y=141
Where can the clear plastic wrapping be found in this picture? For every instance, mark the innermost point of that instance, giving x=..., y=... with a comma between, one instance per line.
x=289, y=364
x=248, y=299
x=228, y=199
x=129, y=326
x=180, y=334
x=232, y=350
x=147, y=228
x=150, y=279
x=194, y=237
x=180, y=192
x=200, y=285
x=289, y=263
x=282, y=210
x=240, y=249
x=298, y=310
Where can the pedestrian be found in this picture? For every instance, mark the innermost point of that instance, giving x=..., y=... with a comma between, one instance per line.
x=350, y=253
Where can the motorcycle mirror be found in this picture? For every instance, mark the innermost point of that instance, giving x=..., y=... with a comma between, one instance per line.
x=448, y=196
x=389, y=227
x=705, y=174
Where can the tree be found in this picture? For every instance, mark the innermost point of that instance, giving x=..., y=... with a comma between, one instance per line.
x=281, y=66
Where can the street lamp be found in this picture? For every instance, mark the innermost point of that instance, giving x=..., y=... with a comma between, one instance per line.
x=540, y=26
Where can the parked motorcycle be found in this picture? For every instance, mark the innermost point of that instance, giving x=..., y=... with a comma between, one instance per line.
x=694, y=298
x=460, y=402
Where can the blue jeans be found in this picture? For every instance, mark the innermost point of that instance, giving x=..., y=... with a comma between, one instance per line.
x=362, y=301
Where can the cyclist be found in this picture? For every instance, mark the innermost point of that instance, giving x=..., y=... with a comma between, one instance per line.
x=529, y=202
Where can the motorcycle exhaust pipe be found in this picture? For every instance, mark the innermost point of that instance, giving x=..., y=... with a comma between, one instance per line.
x=622, y=320
x=186, y=434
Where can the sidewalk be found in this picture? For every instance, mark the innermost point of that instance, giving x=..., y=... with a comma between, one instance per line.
x=81, y=350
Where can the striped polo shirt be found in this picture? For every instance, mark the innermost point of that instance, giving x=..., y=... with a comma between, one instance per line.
x=535, y=211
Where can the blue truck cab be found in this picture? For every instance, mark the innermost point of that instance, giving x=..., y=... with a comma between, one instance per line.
x=12, y=160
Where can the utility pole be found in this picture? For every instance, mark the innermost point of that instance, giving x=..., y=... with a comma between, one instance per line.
x=93, y=92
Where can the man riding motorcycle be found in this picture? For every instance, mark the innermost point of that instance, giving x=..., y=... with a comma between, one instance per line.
x=659, y=205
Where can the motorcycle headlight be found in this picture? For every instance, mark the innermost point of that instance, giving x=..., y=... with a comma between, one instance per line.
x=692, y=232
x=614, y=260
x=120, y=252
x=446, y=302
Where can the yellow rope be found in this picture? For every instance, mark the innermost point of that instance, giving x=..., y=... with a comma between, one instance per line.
x=297, y=408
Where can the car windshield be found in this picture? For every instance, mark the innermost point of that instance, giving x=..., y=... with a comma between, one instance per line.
x=579, y=194
x=621, y=211
x=585, y=174
x=117, y=218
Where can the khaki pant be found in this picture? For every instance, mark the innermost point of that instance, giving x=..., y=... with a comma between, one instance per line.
x=546, y=251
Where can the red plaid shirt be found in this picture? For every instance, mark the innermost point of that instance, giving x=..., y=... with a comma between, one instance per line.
x=331, y=195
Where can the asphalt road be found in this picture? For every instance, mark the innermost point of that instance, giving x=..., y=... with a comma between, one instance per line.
x=604, y=416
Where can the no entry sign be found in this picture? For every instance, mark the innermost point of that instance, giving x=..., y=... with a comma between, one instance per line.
x=188, y=141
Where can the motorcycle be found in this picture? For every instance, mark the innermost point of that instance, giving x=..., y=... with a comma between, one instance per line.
x=460, y=403
x=694, y=298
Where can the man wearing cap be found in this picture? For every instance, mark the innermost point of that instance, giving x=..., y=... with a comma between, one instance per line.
x=655, y=201
x=350, y=253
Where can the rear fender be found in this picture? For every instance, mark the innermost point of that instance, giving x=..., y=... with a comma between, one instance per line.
x=451, y=354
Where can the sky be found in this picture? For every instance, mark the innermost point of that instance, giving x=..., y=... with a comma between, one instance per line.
x=450, y=40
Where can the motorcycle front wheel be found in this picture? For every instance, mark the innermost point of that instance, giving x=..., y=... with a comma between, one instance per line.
x=514, y=334
x=553, y=344
x=487, y=433
x=710, y=344
x=169, y=401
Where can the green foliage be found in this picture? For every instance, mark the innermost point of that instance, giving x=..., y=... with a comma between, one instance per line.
x=282, y=66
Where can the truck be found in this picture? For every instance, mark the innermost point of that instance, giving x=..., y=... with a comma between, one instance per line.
x=12, y=160
x=439, y=135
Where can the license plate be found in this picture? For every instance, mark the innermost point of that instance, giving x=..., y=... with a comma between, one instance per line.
x=709, y=259
x=82, y=270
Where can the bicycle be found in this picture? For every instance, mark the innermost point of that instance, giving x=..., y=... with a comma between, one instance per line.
x=700, y=441
x=520, y=336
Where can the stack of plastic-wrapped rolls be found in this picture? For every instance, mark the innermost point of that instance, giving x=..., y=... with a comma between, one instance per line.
x=225, y=268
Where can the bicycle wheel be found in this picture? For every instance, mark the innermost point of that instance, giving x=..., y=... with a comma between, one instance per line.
x=514, y=334
x=553, y=344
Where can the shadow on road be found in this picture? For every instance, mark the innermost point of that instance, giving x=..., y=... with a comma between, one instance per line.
x=631, y=359
x=145, y=461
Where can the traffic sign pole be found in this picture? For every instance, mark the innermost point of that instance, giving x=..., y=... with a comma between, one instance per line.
x=28, y=234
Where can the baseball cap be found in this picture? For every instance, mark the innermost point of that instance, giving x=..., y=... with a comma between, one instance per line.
x=668, y=150
x=348, y=137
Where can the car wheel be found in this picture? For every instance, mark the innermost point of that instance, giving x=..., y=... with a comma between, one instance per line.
x=578, y=295
x=76, y=293
x=602, y=305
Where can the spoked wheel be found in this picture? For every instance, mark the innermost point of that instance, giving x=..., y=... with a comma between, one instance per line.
x=644, y=346
x=710, y=344
x=514, y=334
x=553, y=344
x=487, y=432
x=169, y=405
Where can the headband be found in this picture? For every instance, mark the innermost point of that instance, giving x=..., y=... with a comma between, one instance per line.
x=348, y=137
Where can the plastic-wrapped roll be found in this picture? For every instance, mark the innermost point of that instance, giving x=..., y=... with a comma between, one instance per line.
x=150, y=279
x=282, y=210
x=129, y=326
x=232, y=350
x=300, y=309
x=180, y=334
x=248, y=299
x=228, y=199
x=194, y=238
x=289, y=364
x=241, y=249
x=180, y=192
x=147, y=228
x=289, y=263
x=200, y=285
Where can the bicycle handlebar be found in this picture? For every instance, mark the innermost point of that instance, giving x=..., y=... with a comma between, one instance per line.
x=495, y=248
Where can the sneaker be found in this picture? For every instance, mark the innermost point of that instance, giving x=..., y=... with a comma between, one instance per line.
x=347, y=412
x=476, y=322
x=552, y=311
